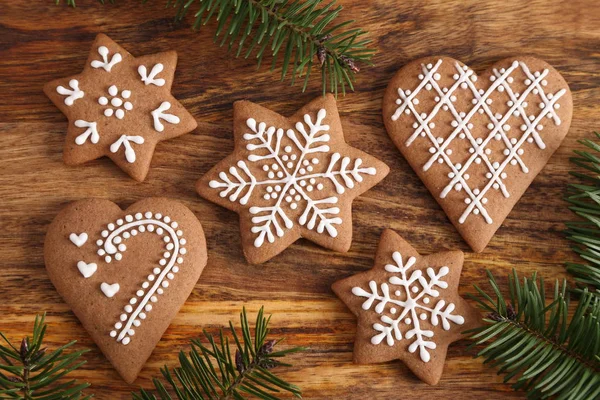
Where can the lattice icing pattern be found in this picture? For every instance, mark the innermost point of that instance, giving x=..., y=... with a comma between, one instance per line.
x=112, y=246
x=513, y=121
x=409, y=297
x=282, y=179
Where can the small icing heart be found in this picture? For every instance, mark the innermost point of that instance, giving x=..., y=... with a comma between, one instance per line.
x=109, y=290
x=86, y=269
x=78, y=240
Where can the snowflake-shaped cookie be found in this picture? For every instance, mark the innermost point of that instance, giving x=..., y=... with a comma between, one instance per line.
x=291, y=178
x=120, y=106
x=408, y=307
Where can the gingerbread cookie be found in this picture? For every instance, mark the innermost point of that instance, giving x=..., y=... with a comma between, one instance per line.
x=477, y=142
x=290, y=178
x=125, y=274
x=120, y=106
x=408, y=307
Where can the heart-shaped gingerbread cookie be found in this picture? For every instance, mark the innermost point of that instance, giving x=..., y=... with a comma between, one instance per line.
x=125, y=274
x=477, y=141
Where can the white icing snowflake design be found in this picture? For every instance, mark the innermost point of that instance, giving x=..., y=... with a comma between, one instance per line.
x=482, y=150
x=289, y=177
x=112, y=246
x=417, y=293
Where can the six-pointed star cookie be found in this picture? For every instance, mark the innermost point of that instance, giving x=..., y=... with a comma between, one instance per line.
x=290, y=178
x=408, y=307
x=120, y=106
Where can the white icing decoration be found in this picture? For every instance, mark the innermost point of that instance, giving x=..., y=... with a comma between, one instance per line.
x=288, y=183
x=110, y=290
x=91, y=132
x=496, y=123
x=107, y=65
x=120, y=106
x=161, y=274
x=124, y=140
x=149, y=79
x=72, y=94
x=413, y=308
x=158, y=114
x=86, y=269
x=78, y=240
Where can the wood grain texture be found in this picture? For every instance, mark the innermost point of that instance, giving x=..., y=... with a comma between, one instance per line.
x=40, y=42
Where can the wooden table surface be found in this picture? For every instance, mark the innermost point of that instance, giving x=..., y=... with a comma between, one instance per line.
x=40, y=42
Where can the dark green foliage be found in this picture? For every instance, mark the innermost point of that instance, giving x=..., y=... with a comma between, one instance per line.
x=32, y=372
x=534, y=345
x=213, y=372
x=298, y=35
x=585, y=202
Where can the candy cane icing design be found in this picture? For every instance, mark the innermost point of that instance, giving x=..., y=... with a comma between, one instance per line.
x=112, y=246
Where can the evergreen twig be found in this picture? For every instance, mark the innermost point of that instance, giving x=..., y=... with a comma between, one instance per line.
x=301, y=34
x=30, y=371
x=584, y=198
x=533, y=344
x=212, y=371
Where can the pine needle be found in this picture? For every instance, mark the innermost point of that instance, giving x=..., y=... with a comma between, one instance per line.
x=32, y=372
x=298, y=35
x=532, y=343
x=210, y=371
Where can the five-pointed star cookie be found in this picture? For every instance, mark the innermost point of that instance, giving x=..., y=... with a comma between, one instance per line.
x=120, y=106
x=290, y=178
x=408, y=307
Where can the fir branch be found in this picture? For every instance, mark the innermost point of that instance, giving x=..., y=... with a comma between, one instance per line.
x=32, y=372
x=533, y=344
x=301, y=35
x=211, y=372
x=584, y=198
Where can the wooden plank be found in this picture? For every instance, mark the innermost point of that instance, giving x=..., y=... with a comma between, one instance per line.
x=42, y=42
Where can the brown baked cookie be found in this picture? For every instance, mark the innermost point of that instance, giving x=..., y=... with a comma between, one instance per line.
x=408, y=307
x=290, y=178
x=120, y=106
x=125, y=274
x=477, y=142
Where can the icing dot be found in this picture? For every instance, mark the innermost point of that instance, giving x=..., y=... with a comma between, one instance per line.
x=122, y=247
x=131, y=332
x=414, y=289
x=133, y=300
x=167, y=219
x=104, y=233
x=99, y=242
x=151, y=277
x=159, y=291
x=156, y=270
x=145, y=285
x=138, y=216
x=162, y=261
x=140, y=293
x=142, y=315
x=408, y=321
x=288, y=149
x=423, y=316
x=148, y=307
x=108, y=259
x=148, y=214
x=167, y=239
x=393, y=310
x=126, y=235
x=179, y=260
x=118, y=325
x=153, y=299
x=103, y=101
x=142, y=228
x=496, y=165
x=165, y=284
x=159, y=231
x=293, y=206
x=179, y=233
x=108, y=112
x=118, y=256
x=176, y=269
x=136, y=323
x=170, y=275
x=128, y=308
x=397, y=293
x=134, y=232
x=476, y=211
x=150, y=228
x=123, y=317
x=484, y=200
x=101, y=252
x=113, y=333
x=126, y=341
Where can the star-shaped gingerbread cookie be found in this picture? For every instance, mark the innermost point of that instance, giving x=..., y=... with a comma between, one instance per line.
x=290, y=178
x=120, y=106
x=408, y=307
